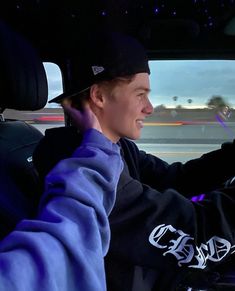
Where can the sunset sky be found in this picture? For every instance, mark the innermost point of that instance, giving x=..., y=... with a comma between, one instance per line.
x=195, y=80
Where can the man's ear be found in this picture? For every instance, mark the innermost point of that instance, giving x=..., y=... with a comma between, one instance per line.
x=97, y=95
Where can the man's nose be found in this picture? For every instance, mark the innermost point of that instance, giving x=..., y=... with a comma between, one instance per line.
x=148, y=109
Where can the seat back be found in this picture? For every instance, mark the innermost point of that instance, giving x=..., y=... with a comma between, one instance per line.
x=23, y=86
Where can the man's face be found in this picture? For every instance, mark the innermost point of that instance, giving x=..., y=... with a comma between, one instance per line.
x=126, y=108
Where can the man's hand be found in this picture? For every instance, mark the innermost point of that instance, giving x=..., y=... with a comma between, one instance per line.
x=84, y=119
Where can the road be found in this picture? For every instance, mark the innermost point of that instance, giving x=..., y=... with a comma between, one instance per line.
x=177, y=152
x=177, y=143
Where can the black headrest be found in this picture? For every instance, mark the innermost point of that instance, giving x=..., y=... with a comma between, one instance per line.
x=23, y=82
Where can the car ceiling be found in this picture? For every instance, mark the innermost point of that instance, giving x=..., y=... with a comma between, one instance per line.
x=168, y=29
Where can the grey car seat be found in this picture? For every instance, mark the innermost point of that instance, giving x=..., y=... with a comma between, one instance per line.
x=23, y=86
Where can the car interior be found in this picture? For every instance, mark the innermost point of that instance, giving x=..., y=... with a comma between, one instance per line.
x=23, y=86
x=39, y=31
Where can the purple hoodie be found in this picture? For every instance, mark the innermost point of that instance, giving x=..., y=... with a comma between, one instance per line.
x=63, y=248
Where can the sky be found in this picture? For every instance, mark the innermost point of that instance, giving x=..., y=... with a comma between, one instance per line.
x=196, y=80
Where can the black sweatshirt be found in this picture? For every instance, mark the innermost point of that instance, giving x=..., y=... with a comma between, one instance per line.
x=160, y=239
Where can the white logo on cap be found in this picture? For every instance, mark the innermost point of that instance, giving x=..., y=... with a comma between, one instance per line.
x=96, y=70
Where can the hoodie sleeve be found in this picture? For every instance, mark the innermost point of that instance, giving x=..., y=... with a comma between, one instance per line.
x=63, y=248
x=194, y=177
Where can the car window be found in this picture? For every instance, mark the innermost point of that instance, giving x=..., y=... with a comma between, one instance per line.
x=193, y=103
x=193, y=108
x=55, y=85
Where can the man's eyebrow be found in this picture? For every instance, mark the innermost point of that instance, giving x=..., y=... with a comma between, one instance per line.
x=143, y=88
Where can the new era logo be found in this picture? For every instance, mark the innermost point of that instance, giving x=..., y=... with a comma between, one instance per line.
x=96, y=69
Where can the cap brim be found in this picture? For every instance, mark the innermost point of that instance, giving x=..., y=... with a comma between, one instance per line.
x=64, y=95
x=59, y=98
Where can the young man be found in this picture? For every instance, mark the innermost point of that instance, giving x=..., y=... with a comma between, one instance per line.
x=160, y=238
x=63, y=248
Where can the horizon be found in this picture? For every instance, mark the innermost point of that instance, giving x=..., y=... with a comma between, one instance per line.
x=175, y=82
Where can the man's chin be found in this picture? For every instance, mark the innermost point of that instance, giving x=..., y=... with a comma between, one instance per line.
x=133, y=136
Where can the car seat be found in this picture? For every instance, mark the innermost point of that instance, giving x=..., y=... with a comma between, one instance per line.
x=23, y=86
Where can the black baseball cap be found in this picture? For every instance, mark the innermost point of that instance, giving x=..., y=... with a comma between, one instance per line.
x=103, y=57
